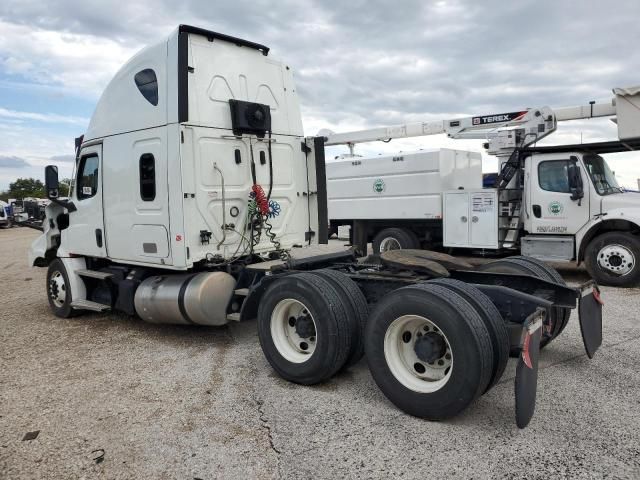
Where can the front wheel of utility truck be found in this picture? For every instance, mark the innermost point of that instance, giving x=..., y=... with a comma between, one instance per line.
x=612, y=259
x=58, y=290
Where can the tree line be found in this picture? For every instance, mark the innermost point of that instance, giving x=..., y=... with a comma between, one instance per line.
x=31, y=187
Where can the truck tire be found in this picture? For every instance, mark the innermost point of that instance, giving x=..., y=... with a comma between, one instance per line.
x=516, y=265
x=303, y=328
x=554, y=276
x=394, y=239
x=357, y=310
x=612, y=259
x=407, y=330
x=59, y=290
x=492, y=320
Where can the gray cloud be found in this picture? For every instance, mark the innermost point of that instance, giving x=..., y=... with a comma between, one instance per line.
x=12, y=162
x=377, y=63
x=62, y=158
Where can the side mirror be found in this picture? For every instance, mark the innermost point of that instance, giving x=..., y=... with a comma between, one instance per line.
x=575, y=181
x=51, y=182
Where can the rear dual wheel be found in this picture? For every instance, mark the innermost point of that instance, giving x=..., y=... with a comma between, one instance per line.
x=556, y=318
x=429, y=350
x=310, y=325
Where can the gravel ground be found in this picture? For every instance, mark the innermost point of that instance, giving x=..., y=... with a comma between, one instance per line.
x=114, y=397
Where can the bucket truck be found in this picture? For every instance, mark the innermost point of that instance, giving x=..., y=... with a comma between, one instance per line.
x=553, y=203
x=193, y=190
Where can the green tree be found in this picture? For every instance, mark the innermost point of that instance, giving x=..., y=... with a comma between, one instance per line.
x=26, y=187
x=64, y=187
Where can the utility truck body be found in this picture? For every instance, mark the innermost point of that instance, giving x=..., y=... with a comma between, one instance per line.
x=402, y=186
x=554, y=203
x=408, y=201
x=193, y=189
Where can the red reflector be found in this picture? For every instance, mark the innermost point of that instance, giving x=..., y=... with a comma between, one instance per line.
x=526, y=357
x=596, y=295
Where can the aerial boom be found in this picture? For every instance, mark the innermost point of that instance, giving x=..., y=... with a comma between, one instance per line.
x=503, y=132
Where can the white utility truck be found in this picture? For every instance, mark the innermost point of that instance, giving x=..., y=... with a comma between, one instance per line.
x=193, y=188
x=553, y=203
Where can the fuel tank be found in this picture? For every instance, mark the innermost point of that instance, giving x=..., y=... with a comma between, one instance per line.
x=197, y=298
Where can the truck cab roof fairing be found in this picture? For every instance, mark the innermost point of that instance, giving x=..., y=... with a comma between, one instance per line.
x=123, y=108
x=183, y=64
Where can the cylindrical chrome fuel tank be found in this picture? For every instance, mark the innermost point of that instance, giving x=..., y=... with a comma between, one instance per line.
x=199, y=298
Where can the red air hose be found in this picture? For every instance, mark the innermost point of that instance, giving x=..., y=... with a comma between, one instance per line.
x=261, y=199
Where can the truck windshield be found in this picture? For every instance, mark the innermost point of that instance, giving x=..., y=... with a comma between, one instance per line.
x=601, y=175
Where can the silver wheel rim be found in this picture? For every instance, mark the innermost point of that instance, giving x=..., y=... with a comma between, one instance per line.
x=415, y=373
x=57, y=289
x=293, y=330
x=389, y=243
x=616, y=259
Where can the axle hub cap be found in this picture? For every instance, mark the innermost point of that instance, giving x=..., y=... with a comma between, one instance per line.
x=57, y=289
x=305, y=327
x=430, y=347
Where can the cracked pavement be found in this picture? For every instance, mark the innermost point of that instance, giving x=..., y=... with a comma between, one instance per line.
x=194, y=402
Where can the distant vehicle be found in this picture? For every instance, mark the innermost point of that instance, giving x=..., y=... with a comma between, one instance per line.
x=5, y=214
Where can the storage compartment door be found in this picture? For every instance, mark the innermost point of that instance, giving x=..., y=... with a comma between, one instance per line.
x=484, y=219
x=456, y=219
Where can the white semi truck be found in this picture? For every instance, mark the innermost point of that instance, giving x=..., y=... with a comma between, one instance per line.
x=193, y=188
x=553, y=203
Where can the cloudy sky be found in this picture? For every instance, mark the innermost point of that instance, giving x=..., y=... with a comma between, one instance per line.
x=357, y=63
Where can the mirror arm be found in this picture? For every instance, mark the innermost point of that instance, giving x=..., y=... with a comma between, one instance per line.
x=68, y=204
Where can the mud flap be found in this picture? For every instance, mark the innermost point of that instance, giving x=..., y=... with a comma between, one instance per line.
x=526, y=380
x=590, y=313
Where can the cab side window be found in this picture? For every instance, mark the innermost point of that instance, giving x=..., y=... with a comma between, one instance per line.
x=553, y=176
x=147, y=83
x=147, y=177
x=87, y=183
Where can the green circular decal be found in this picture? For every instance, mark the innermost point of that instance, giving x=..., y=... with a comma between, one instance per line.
x=379, y=186
x=555, y=208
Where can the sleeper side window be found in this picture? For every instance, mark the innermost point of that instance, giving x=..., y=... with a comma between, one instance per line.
x=553, y=176
x=147, y=83
x=147, y=177
x=87, y=180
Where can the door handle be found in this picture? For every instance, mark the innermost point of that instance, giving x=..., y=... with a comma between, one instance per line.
x=537, y=211
x=99, y=237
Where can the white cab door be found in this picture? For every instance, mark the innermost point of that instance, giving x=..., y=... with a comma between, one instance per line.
x=86, y=235
x=550, y=208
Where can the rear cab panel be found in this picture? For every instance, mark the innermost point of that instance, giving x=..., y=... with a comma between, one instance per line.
x=216, y=164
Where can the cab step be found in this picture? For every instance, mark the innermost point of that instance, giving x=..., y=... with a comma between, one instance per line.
x=241, y=292
x=233, y=317
x=94, y=274
x=89, y=305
